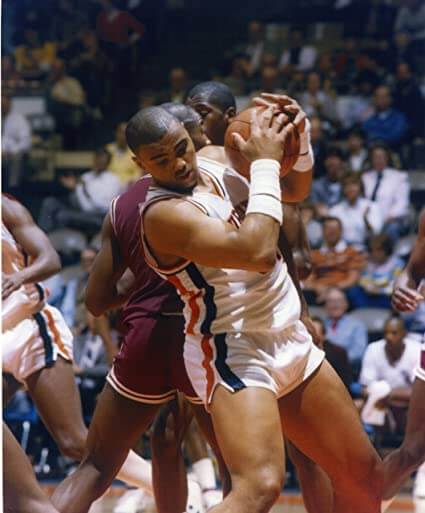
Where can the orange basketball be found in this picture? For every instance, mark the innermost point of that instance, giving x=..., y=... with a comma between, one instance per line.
x=242, y=125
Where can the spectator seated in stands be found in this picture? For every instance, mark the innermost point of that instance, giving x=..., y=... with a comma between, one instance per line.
x=69, y=297
x=178, y=87
x=298, y=56
x=392, y=360
x=34, y=58
x=254, y=48
x=335, y=264
x=312, y=226
x=67, y=104
x=122, y=164
x=270, y=81
x=360, y=217
x=236, y=79
x=315, y=101
x=377, y=279
x=357, y=150
x=335, y=354
x=411, y=19
x=390, y=189
x=409, y=100
x=343, y=329
x=386, y=124
x=327, y=190
x=318, y=143
x=15, y=144
x=87, y=201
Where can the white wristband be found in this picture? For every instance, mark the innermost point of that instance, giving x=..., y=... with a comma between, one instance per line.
x=264, y=191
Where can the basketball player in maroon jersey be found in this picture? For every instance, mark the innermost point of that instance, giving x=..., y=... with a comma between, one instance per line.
x=409, y=291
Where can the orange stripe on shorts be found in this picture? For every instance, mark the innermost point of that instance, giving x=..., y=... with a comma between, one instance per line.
x=206, y=363
x=193, y=305
x=55, y=331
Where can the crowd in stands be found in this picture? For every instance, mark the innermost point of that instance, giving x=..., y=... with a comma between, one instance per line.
x=364, y=92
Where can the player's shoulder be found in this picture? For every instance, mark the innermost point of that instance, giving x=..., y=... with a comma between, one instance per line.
x=12, y=210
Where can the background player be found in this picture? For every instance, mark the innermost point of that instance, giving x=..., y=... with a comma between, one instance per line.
x=406, y=296
x=37, y=344
x=162, y=147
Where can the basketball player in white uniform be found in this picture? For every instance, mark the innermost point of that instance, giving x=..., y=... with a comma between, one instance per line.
x=409, y=291
x=249, y=356
x=36, y=342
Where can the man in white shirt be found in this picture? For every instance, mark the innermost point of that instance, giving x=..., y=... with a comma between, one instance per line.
x=88, y=199
x=16, y=142
x=298, y=56
x=390, y=189
x=360, y=217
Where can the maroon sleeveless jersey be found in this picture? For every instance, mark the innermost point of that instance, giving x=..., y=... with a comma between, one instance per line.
x=152, y=294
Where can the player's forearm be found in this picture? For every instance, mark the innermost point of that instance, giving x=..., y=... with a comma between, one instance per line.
x=100, y=300
x=44, y=266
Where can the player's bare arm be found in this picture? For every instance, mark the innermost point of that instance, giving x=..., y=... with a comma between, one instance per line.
x=406, y=297
x=44, y=261
x=102, y=292
x=176, y=230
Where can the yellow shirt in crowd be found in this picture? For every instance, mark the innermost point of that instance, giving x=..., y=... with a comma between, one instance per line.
x=122, y=164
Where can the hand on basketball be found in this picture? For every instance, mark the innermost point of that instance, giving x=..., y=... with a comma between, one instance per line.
x=287, y=105
x=269, y=130
x=405, y=299
x=10, y=283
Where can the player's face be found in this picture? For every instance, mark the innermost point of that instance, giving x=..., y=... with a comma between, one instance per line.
x=171, y=161
x=215, y=121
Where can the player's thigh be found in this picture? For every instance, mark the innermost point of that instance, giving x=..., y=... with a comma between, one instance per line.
x=248, y=431
x=116, y=426
x=56, y=395
x=319, y=417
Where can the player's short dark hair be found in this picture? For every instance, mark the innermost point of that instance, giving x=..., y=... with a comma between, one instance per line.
x=147, y=127
x=216, y=93
x=183, y=113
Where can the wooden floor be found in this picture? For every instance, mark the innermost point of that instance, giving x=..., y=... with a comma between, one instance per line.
x=287, y=504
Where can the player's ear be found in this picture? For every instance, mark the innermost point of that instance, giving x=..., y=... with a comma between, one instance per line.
x=230, y=114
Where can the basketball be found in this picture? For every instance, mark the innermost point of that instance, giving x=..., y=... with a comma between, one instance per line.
x=242, y=125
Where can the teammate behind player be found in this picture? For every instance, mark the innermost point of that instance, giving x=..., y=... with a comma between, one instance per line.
x=37, y=344
x=178, y=231
x=406, y=297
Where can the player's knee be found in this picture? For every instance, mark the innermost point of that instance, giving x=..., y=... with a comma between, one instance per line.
x=265, y=486
x=365, y=474
x=165, y=434
x=72, y=445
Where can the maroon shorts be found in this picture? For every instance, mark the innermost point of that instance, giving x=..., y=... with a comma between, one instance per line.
x=149, y=367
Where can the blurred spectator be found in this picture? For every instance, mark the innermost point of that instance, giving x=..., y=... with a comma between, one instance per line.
x=15, y=144
x=116, y=26
x=122, y=163
x=401, y=50
x=357, y=151
x=11, y=79
x=380, y=19
x=358, y=106
x=377, y=279
x=66, y=20
x=411, y=19
x=390, y=189
x=315, y=101
x=327, y=191
x=67, y=104
x=312, y=225
x=336, y=355
x=392, y=359
x=68, y=297
x=360, y=217
x=299, y=56
x=254, y=48
x=34, y=58
x=147, y=98
x=178, y=87
x=334, y=264
x=343, y=329
x=88, y=199
x=408, y=99
x=387, y=124
x=236, y=80
x=318, y=143
x=269, y=81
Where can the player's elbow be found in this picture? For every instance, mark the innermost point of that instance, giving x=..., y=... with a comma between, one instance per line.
x=263, y=261
x=93, y=305
x=53, y=263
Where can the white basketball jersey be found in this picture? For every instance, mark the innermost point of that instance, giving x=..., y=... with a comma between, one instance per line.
x=227, y=300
